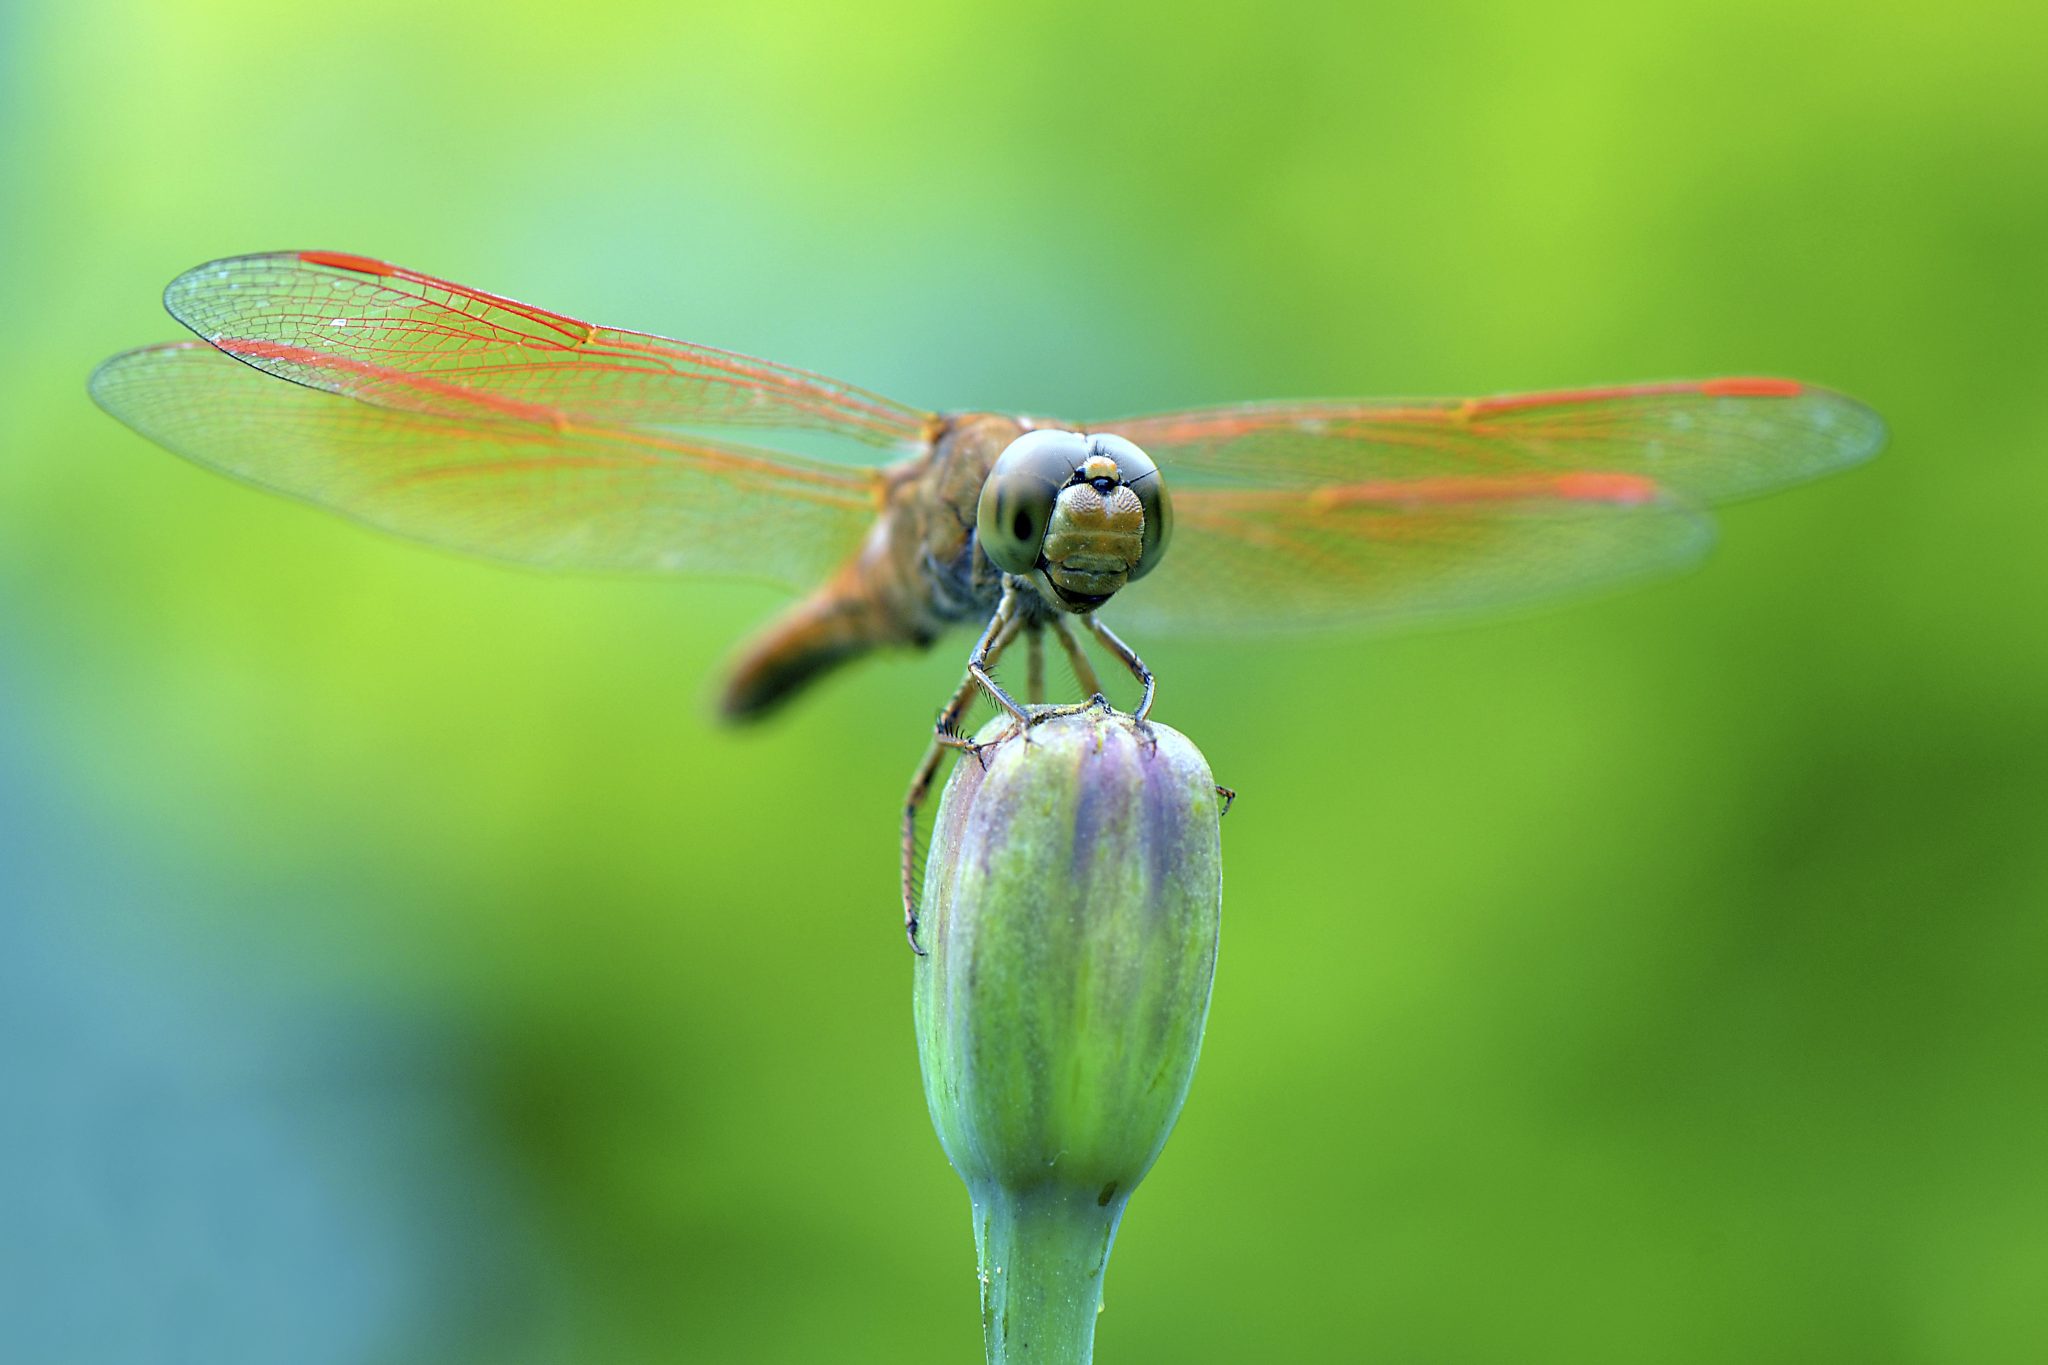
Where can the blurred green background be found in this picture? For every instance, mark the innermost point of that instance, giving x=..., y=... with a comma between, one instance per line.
x=397, y=965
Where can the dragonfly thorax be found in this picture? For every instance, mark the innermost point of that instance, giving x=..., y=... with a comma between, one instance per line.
x=1080, y=515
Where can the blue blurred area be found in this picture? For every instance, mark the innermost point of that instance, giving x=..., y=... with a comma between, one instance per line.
x=204, y=1156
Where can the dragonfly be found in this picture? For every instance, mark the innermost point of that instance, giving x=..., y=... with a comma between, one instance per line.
x=473, y=422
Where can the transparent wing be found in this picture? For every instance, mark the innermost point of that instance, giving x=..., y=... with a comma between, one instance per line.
x=1363, y=512
x=1702, y=441
x=476, y=476
x=1380, y=553
x=401, y=339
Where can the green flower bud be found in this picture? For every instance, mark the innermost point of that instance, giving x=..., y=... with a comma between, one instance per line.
x=1072, y=903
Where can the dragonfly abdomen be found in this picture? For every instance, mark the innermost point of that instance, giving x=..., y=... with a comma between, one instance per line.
x=833, y=626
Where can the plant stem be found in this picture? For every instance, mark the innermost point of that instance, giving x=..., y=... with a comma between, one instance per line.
x=1042, y=1252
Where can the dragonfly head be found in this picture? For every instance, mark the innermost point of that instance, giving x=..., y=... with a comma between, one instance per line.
x=1088, y=512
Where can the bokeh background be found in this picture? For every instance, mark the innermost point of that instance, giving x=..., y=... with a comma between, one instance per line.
x=398, y=965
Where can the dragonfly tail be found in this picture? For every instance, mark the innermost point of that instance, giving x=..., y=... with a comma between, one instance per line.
x=835, y=625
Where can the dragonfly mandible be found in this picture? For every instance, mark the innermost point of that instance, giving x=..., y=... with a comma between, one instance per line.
x=464, y=419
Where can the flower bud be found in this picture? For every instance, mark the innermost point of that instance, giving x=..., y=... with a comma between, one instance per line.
x=1072, y=903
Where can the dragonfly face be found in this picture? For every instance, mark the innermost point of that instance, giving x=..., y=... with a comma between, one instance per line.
x=1080, y=515
x=481, y=424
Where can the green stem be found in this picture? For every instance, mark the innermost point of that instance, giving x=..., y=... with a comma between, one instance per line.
x=1042, y=1251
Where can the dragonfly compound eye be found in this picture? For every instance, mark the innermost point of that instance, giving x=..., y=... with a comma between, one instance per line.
x=1017, y=500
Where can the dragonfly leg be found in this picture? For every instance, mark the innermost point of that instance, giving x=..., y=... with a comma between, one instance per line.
x=1084, y=674
x=1084, y=671
x=1130, y=660
x=946, y=735
x=1229, y=795
x=1034, y=664
x=993, y=642
x=920, y=787
x=1002, y=628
